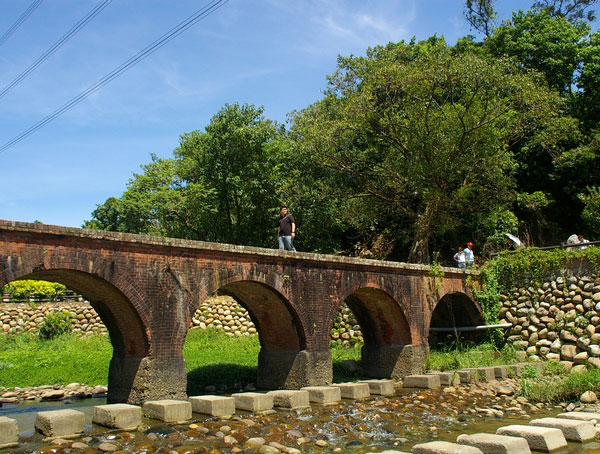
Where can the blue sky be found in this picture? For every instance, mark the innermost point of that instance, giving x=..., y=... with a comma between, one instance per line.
x=274, y=53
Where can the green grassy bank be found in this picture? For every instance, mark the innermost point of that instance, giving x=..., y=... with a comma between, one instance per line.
x=212, y=358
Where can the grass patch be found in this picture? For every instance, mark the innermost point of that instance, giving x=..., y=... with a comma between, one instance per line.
x=26, y=360
x=212, y=358
x=461, y=357
x=558, y=385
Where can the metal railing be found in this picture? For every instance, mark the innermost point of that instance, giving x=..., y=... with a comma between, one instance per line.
x=559, y=246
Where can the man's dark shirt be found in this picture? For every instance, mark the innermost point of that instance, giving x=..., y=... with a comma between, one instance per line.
x=285, y=225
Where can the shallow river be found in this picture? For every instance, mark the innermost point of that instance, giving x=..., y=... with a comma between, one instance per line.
x=397, y=422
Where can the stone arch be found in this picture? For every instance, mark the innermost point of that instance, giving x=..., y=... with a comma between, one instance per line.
x=277, y=323
x=456, y=309
x=381, y=318
x=117, y=301
x=388, y=350
x=283, y=361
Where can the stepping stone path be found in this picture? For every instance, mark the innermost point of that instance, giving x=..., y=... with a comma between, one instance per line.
x=218, y=406
x=539, y=438
x=168, y=410
x=354, y=390
x=9, y=432
x=581, y=416
x=254, y=402
x=444, y=447
x=60, y=423
x=381, y=387
x=291, y=399
x=118, y=416
x=421, y=381
x=495, y=444
x=572, y=429
x=324, y=395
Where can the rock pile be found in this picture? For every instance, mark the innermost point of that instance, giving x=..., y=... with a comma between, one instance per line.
x=557, y=320
x=50, y=392
x=221, y=312
x=23, y=317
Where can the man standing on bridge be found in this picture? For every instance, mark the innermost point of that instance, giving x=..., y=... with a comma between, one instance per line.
x=286, y=232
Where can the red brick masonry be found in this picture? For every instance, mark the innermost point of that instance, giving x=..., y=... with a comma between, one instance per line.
x=146, y=290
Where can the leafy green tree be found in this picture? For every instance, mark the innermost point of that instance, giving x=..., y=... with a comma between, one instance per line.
x=481, y=15
x=572, y=10
x=591, y=211
x=223, y=184
x=540, y=41
x=418, y=137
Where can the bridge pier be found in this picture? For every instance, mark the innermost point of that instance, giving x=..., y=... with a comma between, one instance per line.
x=281, y=369
x=393, y=361
x=135, y=379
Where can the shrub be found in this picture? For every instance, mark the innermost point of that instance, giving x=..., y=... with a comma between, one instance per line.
x=530, y=371
x=25, y=289
x=55, y=324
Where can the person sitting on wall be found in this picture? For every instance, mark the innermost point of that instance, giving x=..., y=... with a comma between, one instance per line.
x=584, y=243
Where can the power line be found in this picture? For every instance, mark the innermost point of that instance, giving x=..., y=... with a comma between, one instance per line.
x=78, y=26
x=22, y=18
x=211, y=7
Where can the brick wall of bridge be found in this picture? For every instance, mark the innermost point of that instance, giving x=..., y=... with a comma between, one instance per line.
x=146, y=290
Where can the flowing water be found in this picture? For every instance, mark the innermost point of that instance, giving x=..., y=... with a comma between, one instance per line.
x=381, y=423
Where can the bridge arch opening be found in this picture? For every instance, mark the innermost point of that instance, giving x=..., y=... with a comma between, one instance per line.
x=126, y=330
x=452, y=314
x=280, y=333
x=385, y=330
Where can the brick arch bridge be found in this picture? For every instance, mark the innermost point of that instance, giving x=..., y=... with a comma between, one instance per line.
x=146, y=290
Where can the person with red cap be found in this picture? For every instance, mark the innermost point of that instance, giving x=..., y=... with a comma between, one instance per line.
x=469, y=256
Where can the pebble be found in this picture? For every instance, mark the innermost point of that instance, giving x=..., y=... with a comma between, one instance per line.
x=108, y=447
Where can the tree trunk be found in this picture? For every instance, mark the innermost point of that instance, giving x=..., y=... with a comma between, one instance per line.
x=419, y=252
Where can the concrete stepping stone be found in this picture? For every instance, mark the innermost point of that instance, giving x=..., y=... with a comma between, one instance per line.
x=421, y=381
x=444, y=447
x=391, y=451
x=495, y=444
x=168, y=410
x=324, y=395
x=219, y=406
x=60, y=423
x=468, y=376
x=118, y=416
x=447, y=378
x=479, y=374
x=581, y=416
x=539, y=438
x=354, y=390
x=500, y=372
x=291, y=399
x=514, y=370
x=572, y=429
x=254, y=402
x=9, y=432
x=383, y=387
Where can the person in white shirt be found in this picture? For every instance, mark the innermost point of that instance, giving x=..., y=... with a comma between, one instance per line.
x=459, y=258
x=469, y=256
x=583, y=242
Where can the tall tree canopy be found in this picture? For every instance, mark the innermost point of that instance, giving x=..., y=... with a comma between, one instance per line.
x=413, y=149
x=417, y=135
x=222, y=185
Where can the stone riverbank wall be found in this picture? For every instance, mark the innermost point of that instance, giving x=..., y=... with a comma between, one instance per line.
x=558, y=319
x=219, y=312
